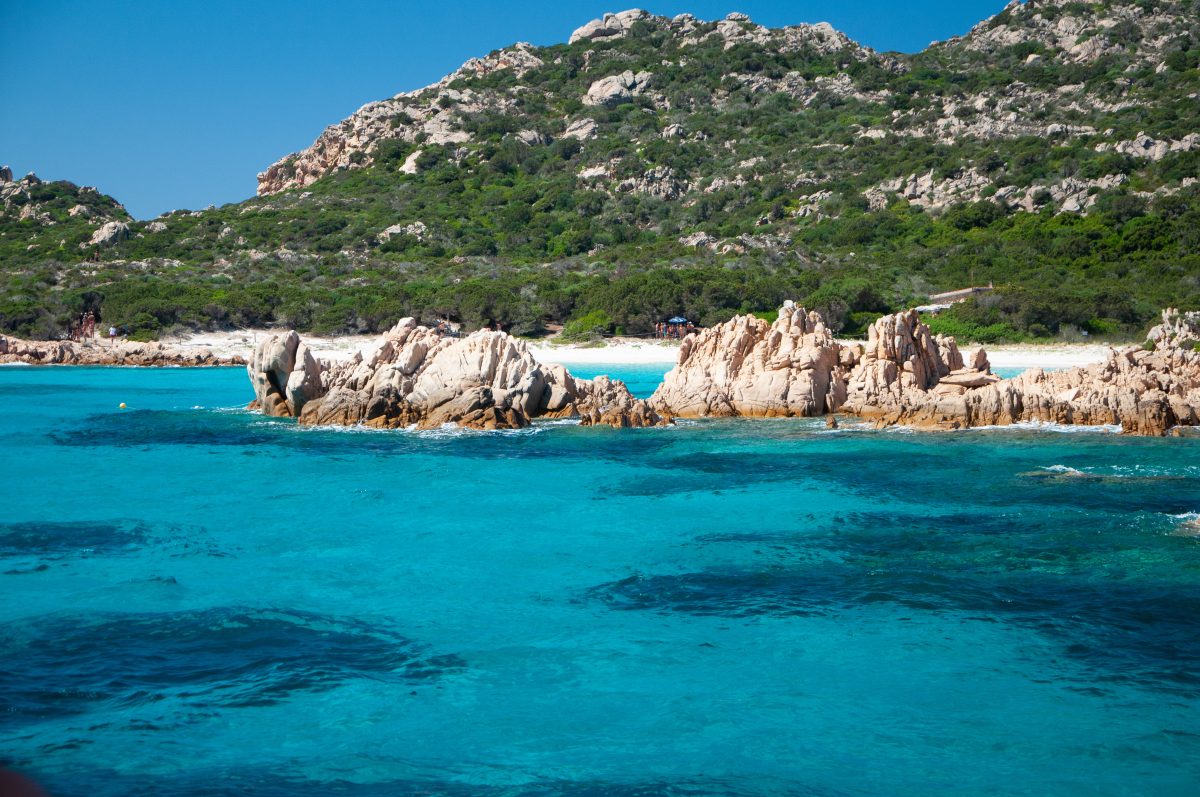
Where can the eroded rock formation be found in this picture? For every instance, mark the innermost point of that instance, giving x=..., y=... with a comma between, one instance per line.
x=1176, y=330
x=747, y=367
x=415, y=376
x=906, y=375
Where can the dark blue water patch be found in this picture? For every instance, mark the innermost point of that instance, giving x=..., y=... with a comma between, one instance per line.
x=1014, y=539
x=64, y=664
x=144, y=428
x=902, y=471
x=1138, y=632
x=268, y=783
x=54, y=540
x=258, y=435
x=58, y=539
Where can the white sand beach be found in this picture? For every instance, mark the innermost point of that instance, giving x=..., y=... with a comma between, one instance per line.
x=621, y=351
x=615, y=351
x=1051, y=356
x=242, y=342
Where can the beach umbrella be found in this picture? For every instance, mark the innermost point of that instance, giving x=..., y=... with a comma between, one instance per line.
x=677, y=320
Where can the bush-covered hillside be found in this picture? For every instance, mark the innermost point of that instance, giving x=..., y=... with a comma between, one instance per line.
x=656, y=166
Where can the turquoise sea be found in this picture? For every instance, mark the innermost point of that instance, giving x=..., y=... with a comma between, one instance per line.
x=201, y=601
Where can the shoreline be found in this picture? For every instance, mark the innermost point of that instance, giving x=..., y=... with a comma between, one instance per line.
x=624, y=351
x=614, y=352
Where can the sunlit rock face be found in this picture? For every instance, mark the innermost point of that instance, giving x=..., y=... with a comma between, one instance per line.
x=415, y=376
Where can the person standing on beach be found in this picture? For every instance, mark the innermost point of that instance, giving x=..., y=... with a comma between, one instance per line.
x=112, y=336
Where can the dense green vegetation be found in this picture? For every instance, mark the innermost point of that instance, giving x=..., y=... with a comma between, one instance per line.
x=512, y=234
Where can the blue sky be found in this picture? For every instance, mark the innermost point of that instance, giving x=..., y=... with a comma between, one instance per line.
x=178, y=104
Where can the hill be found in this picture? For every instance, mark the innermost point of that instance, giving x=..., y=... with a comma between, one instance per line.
x=654, y=166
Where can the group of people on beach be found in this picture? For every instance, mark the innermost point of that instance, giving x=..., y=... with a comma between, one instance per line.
x=673, y=331
x=84, y=327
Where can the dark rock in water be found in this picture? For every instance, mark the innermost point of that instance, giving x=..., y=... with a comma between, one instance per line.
x=831, y=421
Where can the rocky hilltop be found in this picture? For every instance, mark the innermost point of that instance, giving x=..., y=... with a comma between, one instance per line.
x=416, y=376
x=1051, y=48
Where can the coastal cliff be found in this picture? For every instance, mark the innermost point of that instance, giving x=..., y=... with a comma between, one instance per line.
x=69, y=352
x=416, y=376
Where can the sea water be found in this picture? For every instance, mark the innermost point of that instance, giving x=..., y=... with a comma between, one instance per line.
x=197, y=600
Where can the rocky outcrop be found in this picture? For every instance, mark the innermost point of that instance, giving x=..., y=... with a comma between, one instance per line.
x=749, y=368
x=416, y=376
x=609, y=92
x=49, y=203
x=1177, y=329
x=431, y=115
x=610, y=26
x=582, y=129
x=658, y=182
x=109, y=233
x=907, y=376
x=69, y=352
x=1078, y=32
x=1143, y=146
x=416, y=229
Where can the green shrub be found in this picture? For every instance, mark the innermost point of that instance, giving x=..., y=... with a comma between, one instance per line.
x=587, y=327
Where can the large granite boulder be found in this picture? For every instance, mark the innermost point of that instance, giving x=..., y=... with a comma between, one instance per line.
x=749, y=368
x=1145, y=393
x=614, y=90
x=285, y=375
x=109, y=233
x=610, y=26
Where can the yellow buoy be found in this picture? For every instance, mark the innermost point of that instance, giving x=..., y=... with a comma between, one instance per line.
x=122, y=405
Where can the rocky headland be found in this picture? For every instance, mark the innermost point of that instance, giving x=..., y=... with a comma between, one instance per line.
x=70, y=352
x=416, y=376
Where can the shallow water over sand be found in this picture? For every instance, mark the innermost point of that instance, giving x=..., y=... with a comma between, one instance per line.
x=199, y=600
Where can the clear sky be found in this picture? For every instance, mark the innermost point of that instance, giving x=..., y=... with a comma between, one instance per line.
x=169, y=104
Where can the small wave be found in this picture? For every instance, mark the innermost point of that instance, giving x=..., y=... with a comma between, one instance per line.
x=237, y=410
x=1051, y=426
x=1142, y=472
x=444, y=432
x=16, y=365
x=1188, y=525
x=1063, y=469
